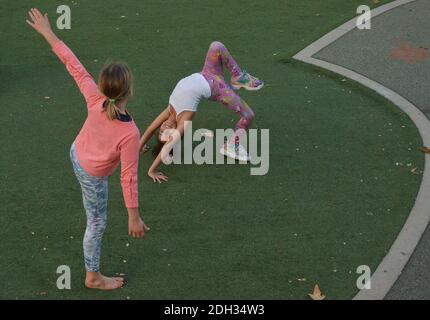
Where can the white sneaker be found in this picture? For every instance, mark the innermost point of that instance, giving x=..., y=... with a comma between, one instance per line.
x=229, y=150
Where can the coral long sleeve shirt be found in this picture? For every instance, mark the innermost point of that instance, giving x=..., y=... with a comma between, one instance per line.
x=102, y=143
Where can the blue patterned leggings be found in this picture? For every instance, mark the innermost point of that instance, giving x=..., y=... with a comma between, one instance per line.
x=95, y=198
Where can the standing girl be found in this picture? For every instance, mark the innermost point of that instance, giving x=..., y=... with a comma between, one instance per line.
x=208, y=84
x=108, y=137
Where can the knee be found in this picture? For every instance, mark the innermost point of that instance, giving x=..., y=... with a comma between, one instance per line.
x=216, y=45
x=96, y=226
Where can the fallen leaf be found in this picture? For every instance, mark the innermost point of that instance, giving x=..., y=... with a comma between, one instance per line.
x=414, y=171
x=425, y=149
x=316, y=295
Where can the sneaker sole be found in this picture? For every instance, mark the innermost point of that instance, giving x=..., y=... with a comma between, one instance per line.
x=239, y=86
x=227, y=154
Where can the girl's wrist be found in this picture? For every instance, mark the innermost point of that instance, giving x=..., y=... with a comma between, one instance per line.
x=47, y=33
x=133, y=213
x=50, y=37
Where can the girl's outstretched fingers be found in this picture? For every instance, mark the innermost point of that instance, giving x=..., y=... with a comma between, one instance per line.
x=145, y=148
x=38, y=21
x=158, y=177
x=161, y=177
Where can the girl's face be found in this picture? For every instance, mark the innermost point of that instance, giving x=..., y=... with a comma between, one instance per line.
x=166, y=129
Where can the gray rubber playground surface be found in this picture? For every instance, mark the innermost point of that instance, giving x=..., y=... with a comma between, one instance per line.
x=394, y=52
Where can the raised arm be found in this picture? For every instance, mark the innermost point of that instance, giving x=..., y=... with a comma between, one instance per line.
x=85, y=82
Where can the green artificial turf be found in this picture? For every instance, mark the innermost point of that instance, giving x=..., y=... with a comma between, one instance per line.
x=338, y=191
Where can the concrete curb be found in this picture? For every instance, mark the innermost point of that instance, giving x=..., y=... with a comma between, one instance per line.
x=393, y=263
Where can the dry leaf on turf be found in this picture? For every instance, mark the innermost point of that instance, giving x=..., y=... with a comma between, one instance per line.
x=425, y=150
x=316, y=295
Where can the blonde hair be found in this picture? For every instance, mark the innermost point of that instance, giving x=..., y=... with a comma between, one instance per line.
x=116, y=83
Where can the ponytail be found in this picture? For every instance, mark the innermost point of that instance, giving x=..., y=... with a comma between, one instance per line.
x=116, y=84
x=112, y=110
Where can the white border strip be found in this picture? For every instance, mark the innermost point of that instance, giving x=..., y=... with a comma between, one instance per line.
x=393, y=263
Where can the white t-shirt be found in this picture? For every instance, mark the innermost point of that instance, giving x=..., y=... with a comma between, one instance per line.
x=188, y=92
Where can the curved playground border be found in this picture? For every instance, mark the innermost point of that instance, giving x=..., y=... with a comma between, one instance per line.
x=390, y=268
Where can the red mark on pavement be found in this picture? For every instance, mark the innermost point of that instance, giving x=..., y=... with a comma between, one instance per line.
x=409, y=54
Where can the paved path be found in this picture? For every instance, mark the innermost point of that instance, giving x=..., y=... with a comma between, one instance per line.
x=393, y=58
x=390, y=52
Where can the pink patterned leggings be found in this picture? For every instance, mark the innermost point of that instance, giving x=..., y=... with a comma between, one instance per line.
x=217, y=58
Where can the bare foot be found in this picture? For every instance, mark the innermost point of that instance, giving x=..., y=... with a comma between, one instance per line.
x=99, y=281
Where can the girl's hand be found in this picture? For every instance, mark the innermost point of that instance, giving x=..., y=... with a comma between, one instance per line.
x=145, y=148
x=136, y=227
x=158, y=176
x=39, y=22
